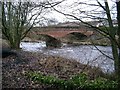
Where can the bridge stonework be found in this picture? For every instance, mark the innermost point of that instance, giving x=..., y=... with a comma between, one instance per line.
x=60, y=32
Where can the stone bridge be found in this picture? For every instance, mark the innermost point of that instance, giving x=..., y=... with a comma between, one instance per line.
x=63, y=30
x=52, y=37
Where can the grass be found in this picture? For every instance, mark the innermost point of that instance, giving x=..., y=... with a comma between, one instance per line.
x=76, y=82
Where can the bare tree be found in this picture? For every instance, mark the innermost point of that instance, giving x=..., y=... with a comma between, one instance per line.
x=101, y=11
x=19, y=17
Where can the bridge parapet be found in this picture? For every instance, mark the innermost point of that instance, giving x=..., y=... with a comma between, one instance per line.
x=59, y=34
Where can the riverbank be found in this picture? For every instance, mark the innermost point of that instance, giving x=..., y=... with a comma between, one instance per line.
x=89, y=41
x=14, y=69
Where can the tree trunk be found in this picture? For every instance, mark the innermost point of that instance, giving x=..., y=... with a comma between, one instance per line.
x=118, y=31
x=15, y=45
x=112, y=33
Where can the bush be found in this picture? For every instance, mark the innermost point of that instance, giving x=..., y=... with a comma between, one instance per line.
x=80, y=81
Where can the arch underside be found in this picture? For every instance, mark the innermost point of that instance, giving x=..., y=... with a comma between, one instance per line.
x=78, y=35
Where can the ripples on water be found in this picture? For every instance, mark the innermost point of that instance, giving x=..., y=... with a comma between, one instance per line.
x=86, y=54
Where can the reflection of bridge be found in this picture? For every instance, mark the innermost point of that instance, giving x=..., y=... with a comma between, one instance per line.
x=59, y=34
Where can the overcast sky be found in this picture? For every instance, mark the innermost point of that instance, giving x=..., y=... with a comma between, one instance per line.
x=71, y=6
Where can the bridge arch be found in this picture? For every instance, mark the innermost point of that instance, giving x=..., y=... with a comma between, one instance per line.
x=77, y=35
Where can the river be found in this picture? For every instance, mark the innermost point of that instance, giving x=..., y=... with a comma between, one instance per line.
x=86, y=54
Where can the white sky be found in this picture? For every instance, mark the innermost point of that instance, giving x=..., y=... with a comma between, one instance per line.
x=64, y=7
x=70, y=6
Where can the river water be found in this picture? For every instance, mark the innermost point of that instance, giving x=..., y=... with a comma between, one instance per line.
x=86, y=54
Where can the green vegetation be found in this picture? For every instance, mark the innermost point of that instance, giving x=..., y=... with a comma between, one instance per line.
x=80, y=81
x=106, y=29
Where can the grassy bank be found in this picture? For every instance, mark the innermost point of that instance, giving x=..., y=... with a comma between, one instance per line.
x=92, y=40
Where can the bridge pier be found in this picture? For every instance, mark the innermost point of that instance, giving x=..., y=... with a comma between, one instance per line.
x=51, y=42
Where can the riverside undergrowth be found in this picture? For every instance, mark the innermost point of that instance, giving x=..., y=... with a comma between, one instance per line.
x=76, y=82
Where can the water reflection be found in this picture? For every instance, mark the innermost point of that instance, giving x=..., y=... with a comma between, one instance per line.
x=86, y=54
